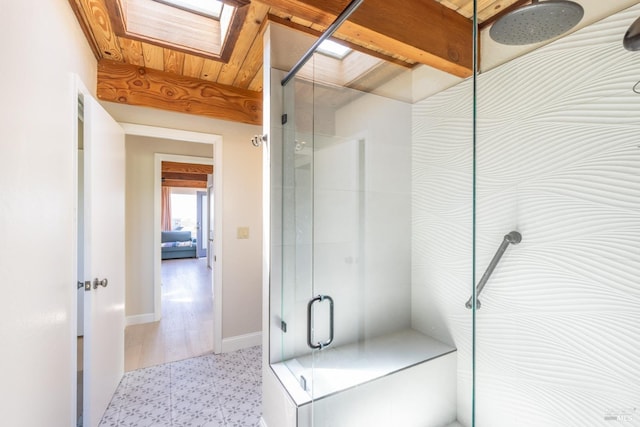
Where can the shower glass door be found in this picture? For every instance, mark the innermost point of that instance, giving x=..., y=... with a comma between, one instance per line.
x=338, y=327
x=348, y=274
x=348, y=333
x=558, y=160
x=323, y=265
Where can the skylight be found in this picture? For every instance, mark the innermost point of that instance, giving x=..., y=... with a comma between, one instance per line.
x=208, y=8
x=333, y=49
x=180, y=25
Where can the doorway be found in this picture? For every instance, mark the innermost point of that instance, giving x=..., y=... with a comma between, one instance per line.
x=153, y=243
x=186, y=277
x=182, y=326
x=186, y=163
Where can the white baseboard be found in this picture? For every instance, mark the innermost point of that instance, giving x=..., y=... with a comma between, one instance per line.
x=241, y=341
x=139, y=318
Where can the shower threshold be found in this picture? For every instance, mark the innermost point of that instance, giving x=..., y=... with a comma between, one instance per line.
x=337, y=369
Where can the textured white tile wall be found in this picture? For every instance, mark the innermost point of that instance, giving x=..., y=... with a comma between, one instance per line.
x=558, y=158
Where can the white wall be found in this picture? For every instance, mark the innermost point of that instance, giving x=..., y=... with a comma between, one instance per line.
x=43, y=44
x=242, y=207
x=140, y=212
x=384, y=126
x=558, y=160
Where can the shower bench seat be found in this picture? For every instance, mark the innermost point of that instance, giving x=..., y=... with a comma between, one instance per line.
x=404, y=374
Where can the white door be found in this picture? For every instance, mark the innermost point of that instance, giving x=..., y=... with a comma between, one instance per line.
x=103, y=259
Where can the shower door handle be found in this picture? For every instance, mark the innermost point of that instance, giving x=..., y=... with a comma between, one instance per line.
x=319, y=345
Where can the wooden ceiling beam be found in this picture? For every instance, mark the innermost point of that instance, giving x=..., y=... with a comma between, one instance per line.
x=424, y=31
x=134, y=85
x=185, y=176
x=311, y=31
x=183, y=183
x=186, y=168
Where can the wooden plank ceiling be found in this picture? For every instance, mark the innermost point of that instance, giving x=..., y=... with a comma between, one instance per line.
x=187, y=175
x=147, y=73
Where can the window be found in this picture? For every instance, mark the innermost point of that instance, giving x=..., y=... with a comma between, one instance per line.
x=184, y=213
x=205, y=28
x=208, y=8
x=333, y=49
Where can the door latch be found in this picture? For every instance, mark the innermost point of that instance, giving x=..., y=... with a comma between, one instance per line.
x=103, y=283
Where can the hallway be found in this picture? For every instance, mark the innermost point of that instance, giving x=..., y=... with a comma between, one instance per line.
x=186, y=327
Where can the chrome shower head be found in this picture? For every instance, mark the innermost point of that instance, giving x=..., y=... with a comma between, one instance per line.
x=536, y=22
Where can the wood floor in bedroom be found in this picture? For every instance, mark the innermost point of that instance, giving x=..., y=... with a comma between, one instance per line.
x=186, y=328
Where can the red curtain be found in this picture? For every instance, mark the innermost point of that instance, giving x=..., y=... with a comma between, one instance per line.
x=166, y=208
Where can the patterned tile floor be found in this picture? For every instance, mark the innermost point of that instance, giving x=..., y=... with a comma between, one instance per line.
x=223, y=390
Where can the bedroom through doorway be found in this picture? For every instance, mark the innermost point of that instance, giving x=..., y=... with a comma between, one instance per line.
x=186, y=325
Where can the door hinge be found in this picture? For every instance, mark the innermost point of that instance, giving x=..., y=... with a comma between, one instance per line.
x=284, y=119
x=283, y=326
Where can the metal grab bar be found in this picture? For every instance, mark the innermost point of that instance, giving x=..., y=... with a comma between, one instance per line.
x=319, y=345
x=346, y=13
x=512, y=238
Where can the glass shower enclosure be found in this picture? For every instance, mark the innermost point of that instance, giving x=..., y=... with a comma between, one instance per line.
x=341, y=307
x=389, y=211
